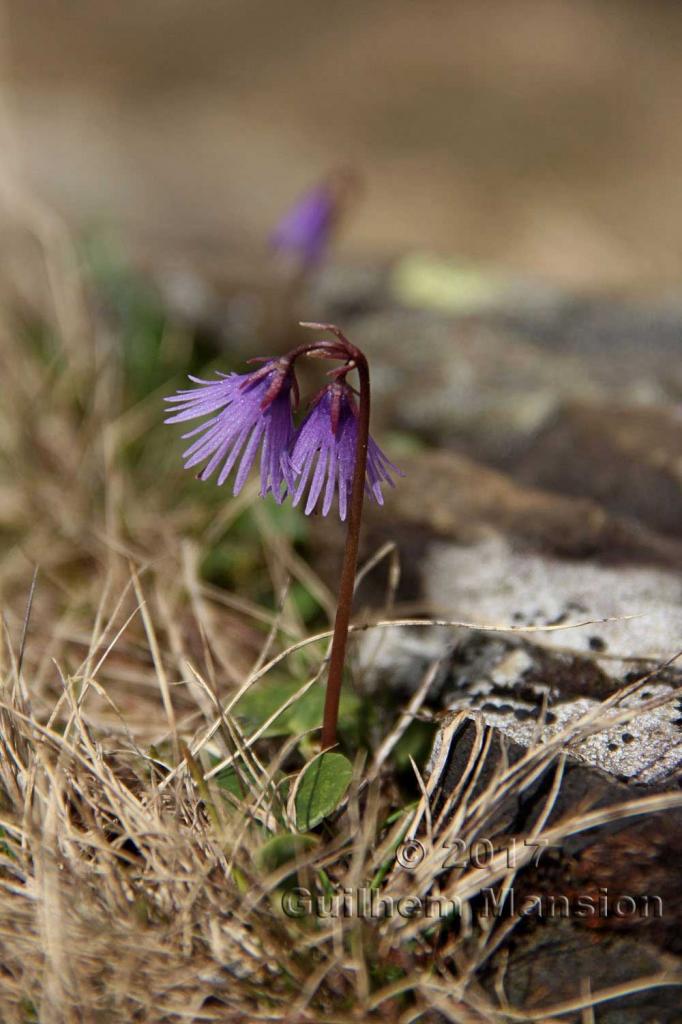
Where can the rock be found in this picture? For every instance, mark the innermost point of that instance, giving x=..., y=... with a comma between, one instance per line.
x=486, y=383
x=629, y=459
x=471, y=755
x=480, y=548
x=625, y=870
x=401, y=656
x=531, y=695
x=491, y=582
x=631, y=346
x=545, y=965
x=450, y=496
x=465, y=381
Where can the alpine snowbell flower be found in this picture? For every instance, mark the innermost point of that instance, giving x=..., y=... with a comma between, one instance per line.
x=331, y=451
x=327, y=439
x=247, y=412
x=308, y=228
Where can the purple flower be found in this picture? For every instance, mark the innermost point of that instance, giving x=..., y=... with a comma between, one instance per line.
x=309, y=226
x=327, y=438
x=306, y=228
x=247, y=412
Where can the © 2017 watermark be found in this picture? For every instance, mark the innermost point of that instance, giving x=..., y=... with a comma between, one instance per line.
x=368, y=902
x=456, y=853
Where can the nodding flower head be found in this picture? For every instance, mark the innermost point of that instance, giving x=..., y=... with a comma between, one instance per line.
x=246, y=412
x=327, y=439
x=307, y=229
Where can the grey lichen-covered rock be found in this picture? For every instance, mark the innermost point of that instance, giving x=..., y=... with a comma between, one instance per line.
x=492, y=582
x=480, y=548
x=534, y=690
x=531, y=696
x=466, y=379
x=400, y=656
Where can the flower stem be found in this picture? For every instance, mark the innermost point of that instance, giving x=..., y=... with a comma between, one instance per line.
x=350, y=558
x=355, y=359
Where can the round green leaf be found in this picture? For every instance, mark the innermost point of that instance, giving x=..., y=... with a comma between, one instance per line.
x=321, y=787
x=282, y=848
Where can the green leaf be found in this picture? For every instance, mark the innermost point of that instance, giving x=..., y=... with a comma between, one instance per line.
x=233, y=781
x=281, y=849
x=262, y=700
x=415, y=743
x=306, y=605
x=321, y=788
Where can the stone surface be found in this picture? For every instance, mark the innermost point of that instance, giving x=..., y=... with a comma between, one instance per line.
x=453, y=497
x=490, y=582
x=486, y=383
x=465, y=380
x=479, y=547
x=627, y=458
x=449, y=498
x=545, y=967
x=531, y=695
x=554, y=945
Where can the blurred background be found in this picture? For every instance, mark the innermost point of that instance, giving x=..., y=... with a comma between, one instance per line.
x=491, y=209
x=539, y=135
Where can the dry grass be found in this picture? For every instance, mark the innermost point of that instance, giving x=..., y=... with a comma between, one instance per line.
x=134, y=887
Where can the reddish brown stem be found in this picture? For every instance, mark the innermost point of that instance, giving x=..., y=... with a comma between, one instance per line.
x=350, y=558
x=343, y=348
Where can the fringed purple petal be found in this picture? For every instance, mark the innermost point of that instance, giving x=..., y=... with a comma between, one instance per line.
x=304, y=470
x=202, y=426
x=382, y=463
x=274, y=468
x=227, y=449
x=334, y=456
x=314, y=461
x=237, y=426
x=216, y=459
x=343, y=497
x=318, y=480
x=232, y=457
x=210, y=397
x=248, y=457
x=203, y=446
x=331, y=480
